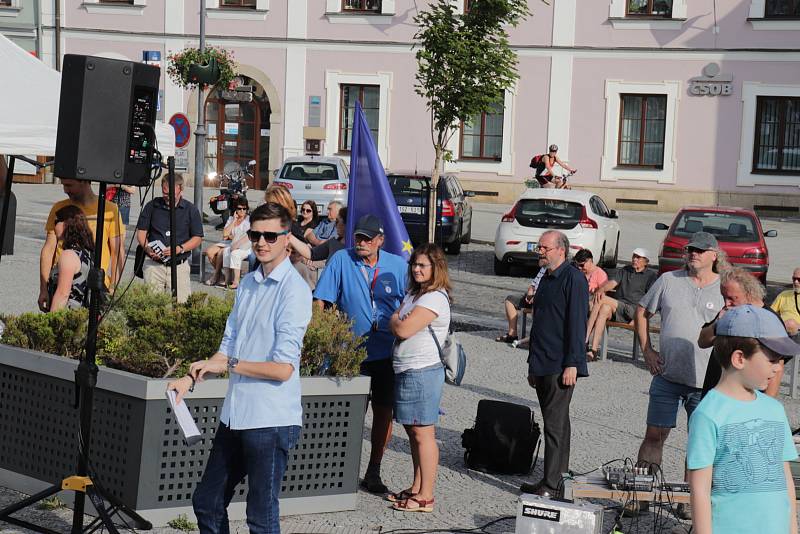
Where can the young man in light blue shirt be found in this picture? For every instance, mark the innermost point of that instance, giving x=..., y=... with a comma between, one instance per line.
x=369, y=284
x=261, y=418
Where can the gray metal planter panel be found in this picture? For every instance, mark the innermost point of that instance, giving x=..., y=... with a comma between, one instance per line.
x=138, y=453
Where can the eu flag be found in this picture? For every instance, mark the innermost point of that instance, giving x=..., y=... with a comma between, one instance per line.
x=369, y=191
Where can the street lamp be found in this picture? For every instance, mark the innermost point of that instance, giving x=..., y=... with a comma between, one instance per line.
x=198, y=263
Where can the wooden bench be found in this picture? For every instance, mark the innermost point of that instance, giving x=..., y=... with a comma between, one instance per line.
x=635, y=350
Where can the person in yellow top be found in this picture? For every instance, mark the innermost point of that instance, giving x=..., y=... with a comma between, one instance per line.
x=787, y=305
x=80, y=194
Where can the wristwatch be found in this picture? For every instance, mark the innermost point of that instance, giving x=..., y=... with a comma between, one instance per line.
x=232, y=363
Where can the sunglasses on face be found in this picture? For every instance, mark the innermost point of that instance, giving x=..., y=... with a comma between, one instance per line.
x=269, y=237
x=796, y=279
x=307, y=210
x=692, y=250
x=363, y=238
x=241, y=209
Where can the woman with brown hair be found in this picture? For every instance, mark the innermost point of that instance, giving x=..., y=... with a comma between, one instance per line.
x=235, y=246
x=421, y=321
x=67, y=285
x=309, y=217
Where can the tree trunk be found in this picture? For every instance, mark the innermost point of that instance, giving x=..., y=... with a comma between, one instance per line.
x=437, y=165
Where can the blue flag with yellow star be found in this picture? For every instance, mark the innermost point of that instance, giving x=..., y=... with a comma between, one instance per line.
x=369, y=191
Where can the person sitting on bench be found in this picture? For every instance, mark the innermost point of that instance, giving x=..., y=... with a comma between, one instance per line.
x=514, y=305
x=631, y=283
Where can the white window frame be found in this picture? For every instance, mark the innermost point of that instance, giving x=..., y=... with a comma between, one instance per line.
x=97, y=8
x=744, y=174
x=609, y=170
x=11, y=11
x=214, y=11
x=335, y=15
x=757, y=18
x=616, y=15
x=504, y=166
x=333, y=81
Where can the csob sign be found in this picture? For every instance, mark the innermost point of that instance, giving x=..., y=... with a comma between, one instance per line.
x=711, y=83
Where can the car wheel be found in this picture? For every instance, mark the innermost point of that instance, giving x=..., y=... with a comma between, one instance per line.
x=613, y=263
x=467, y=238
x=501, y=268
x=453, y=248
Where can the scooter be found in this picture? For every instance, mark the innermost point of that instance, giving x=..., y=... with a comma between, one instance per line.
x=231, y=187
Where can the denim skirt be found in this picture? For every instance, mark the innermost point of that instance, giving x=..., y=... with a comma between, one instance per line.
x=417, y=393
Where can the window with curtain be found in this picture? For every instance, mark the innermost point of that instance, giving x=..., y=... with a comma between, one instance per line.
x=782, y=9
x=369, y=96
x=777, y=136
x=482, y=136
x=642, y=125
x=658, y=8
x=5, y=2
x=249, y=4
x=362, y=5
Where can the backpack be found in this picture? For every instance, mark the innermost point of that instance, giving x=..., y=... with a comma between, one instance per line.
x=505, y=439
x=536, y=161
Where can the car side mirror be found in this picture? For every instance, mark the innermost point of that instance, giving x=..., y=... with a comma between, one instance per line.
x=613, y=214
x=771, y=233
x=275, y=172
x=661, y=226
x=469, y=194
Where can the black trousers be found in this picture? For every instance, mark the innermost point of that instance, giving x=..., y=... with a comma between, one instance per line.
x=554, y=399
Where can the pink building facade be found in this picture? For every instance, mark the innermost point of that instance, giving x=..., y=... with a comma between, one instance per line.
x=658, y=103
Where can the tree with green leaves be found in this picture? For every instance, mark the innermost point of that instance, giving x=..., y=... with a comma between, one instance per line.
x=464, y=66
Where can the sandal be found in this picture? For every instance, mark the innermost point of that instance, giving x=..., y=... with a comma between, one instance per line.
x=400, y=496
x=591, y=355
x=233, y=287
x=422, y=505
x=210, y=282
x=506, y=338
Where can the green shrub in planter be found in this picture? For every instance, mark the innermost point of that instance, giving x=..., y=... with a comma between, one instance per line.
x=147, y=335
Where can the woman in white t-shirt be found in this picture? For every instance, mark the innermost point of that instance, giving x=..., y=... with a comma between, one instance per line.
x=419, y=374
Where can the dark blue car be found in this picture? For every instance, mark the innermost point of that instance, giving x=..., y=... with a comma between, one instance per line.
x=454, y=222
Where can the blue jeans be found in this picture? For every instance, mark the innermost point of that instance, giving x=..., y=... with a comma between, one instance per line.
x=666, y=399
x=125, y=214
x=261, y=455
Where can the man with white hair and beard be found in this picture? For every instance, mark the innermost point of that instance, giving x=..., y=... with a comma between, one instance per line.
x=686, y=298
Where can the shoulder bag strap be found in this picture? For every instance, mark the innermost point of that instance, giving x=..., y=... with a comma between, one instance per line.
x=438, y=347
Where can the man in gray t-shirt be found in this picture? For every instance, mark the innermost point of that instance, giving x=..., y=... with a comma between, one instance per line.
x=686, y=299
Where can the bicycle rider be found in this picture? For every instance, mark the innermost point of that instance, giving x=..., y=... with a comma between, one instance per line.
x=543, y=169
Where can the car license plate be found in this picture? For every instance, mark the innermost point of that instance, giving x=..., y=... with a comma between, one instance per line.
x=222, y=204
x=410, y=209
x=532, y=247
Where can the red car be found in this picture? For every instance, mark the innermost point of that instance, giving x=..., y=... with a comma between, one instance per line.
x=737, y=230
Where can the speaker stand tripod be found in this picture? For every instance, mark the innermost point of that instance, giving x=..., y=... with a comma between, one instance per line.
x=85, y=382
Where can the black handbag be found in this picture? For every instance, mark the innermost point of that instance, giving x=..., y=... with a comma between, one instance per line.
x=505, y=439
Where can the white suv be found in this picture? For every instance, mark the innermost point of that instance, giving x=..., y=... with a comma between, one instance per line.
x=320, y=179
x=581, y=215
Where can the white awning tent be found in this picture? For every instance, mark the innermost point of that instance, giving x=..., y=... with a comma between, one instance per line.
x=29, y=97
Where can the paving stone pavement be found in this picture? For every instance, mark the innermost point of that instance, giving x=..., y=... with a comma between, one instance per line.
x=608, y=414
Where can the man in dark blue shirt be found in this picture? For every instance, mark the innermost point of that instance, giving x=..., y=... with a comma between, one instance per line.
x=557, y=355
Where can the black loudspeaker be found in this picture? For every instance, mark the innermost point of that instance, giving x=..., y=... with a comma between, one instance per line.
x=106, y=120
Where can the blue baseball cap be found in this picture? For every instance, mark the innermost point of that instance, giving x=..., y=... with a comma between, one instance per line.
x=758, y=323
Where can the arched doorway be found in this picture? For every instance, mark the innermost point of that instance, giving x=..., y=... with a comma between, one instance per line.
x=239, y=131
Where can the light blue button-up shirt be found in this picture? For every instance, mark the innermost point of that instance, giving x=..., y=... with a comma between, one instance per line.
x=267, y=324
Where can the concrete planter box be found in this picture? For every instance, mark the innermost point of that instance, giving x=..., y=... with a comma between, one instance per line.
x=138, y=453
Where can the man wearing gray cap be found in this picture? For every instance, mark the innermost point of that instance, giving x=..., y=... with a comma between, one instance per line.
x=687, y=299
x=631, y=283
x=368, y=284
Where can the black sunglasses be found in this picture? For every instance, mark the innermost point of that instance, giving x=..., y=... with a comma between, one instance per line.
x=269, y=237
x=795, y=279
x=240, y=208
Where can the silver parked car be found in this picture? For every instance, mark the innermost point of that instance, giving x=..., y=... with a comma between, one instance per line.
x=320, y=179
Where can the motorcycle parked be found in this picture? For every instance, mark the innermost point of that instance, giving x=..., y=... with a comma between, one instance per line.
x=232, y=186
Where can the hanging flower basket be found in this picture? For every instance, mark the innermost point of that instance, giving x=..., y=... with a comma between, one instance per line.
x=180, y=63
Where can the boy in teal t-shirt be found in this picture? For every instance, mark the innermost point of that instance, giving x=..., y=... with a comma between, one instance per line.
x=739, y=439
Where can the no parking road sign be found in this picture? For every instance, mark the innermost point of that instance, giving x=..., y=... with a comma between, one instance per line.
x=183, y=132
